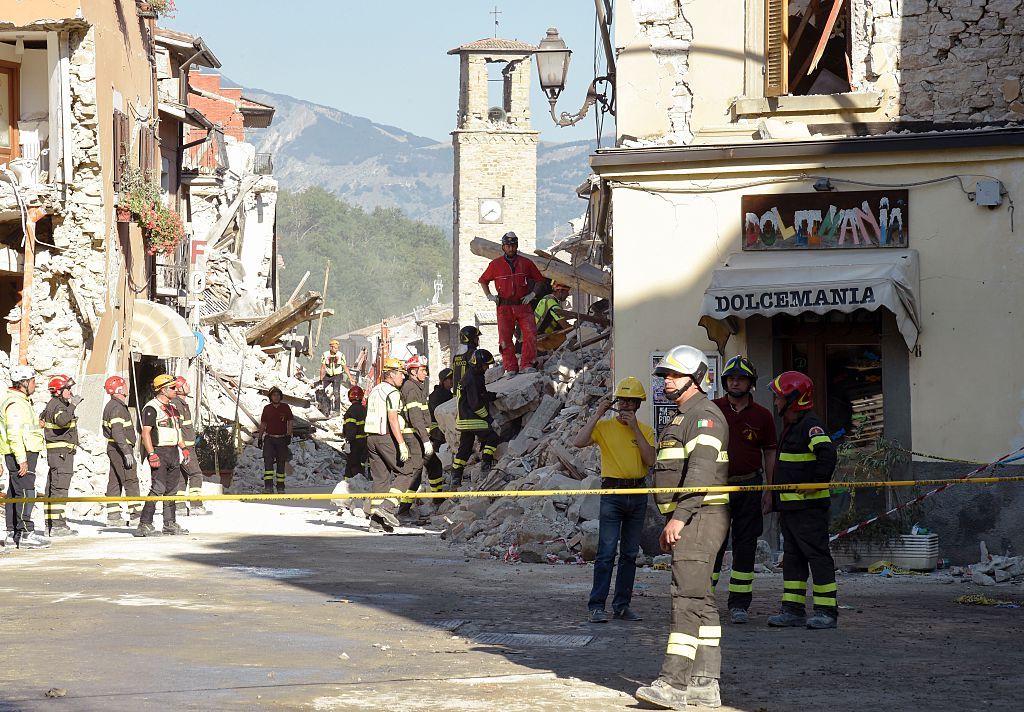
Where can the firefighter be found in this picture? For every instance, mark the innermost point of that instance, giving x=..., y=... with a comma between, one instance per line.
x=417, y=424
x=60, y=427
x=806, y=454
x=190, y=469
x=517, y=281
x=161, y=441
x=469, y=341
x=275, y=437
x=551, y=322
x=353, y=430
x=752, y=446
x=386, y=446
x=473, y=420
x=119, y=430
x=691, y=453
x=333, y=372
x=21, y=441
x=442, y=393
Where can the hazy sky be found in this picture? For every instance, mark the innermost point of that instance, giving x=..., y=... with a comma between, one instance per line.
x=386, y=61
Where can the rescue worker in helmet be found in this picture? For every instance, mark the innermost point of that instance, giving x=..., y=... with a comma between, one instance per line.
x=442, y=393
x=417, y=424
x=518, y=282
x=354, y=431
x=385, y=443
x=333, y=372
x=21, y=442
x=60, y=427
x=191, y=474
x=552, y=324
x=806, y=455
x=691, y=453
x=469, y=341
x=473, y=419
x=627, y=452
x=161, y=443
x=119, y=430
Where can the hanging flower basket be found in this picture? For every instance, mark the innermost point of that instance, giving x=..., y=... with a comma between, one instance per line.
x=162, y=229
x=124, y=214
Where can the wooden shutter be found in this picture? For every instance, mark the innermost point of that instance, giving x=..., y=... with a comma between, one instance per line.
x=776, y=47
x=122, y=146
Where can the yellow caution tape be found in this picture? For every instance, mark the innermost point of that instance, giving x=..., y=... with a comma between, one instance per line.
x=808, y=486
x=977, y=599
x=880, y=566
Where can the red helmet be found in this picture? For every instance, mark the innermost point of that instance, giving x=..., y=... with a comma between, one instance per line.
x=180, y=381
x=355, y=394
x=59, y=383
x=416, y=362
x=797, y=388
x=116, y=386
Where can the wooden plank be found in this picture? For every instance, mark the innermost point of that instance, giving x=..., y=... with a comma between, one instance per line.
x=812, y=62
x=585, y=277
x=295, y=312
x=565, y=458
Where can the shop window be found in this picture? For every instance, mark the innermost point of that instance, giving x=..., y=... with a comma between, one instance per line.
x=807, y=47
x=854, y=393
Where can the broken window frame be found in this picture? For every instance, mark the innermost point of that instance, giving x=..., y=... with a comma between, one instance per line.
x=13, y=72
x=781, y=76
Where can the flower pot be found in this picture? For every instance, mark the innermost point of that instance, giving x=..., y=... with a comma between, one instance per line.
x=124, y=215
x=910, y=551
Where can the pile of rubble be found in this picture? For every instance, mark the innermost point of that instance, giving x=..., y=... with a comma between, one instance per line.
x=990, y=569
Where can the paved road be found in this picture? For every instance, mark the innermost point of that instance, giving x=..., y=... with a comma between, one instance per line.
x=285, y=607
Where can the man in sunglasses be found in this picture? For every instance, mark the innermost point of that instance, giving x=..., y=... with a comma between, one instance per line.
x=161, y=441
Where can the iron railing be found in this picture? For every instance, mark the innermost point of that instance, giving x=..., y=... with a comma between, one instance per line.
x=263, y=164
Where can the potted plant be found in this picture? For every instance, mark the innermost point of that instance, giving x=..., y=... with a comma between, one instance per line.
x=156, y=8
x=162, y=228
x=138, y=192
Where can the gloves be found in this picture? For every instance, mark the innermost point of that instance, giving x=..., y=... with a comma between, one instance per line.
x=493, y=298
x=527, y=298
x=403, y=453
x=186, y=455
x=129, y=461
x=428, y=448
x=154, y=460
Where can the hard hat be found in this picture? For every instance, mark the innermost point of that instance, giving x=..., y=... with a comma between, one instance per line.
x=162, y=381
x=469, y=335
x=559, y=285
x=115, y=385
x=510, y=238
x=739, y=366
x=334, y=342
x=445, y=374
x=355, y=394
x=22, y=373
x=180, y=381
x=797, y=388
x=59, y=383
x=685, y=360
x=481, y=357
x=392, y=364
x=630, y=387
x=273, y=390
x=416, y=362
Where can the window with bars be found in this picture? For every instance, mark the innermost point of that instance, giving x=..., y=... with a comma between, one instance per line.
x=807, y=47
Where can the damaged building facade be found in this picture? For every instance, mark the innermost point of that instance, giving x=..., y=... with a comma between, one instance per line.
x=829, y=187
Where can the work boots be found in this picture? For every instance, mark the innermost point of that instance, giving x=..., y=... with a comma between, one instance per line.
x=146, y=530
x=704, y=692
x=280, y=487
x=30, y=540
x=60, y=528
x=197, y=509
x=821, y=621
x=173, y=529
x=115, y=519
x=738, y=615
x=788, y=619
x=662, y=695
x=268, y=487
x=378, y=525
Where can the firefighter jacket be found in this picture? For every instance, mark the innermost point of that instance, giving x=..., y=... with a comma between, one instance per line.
x=692, y=453
x=118, y=428
x=439, y=395
x=355, y=422
x=415, y=409
x=473, y=399
x=806, y=454
x=60, y=426
x=19, y=427
x=549, y=320
x=383, y=398
x=165, y=421
x=460, y=364
x=188, y=428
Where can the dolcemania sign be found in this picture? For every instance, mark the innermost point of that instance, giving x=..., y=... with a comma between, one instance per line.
x=760, y=301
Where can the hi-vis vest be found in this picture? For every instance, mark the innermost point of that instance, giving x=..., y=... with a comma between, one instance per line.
x=19, y=427
x=167, y=433
x=546, y=318
x=382, y=398
x=333, y=363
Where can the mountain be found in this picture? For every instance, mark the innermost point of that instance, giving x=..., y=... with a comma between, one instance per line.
x=376, y=166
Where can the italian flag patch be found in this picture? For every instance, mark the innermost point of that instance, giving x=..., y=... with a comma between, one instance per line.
x=705, y=423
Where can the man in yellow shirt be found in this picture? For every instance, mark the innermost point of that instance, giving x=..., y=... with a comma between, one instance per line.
x=627, y=451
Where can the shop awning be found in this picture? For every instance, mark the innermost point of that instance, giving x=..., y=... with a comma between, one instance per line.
x=158, y=330
x=819, y=281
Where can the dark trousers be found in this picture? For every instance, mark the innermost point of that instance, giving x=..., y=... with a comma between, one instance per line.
x=388, y=476
x=165, y=482
x=332, y=384
x=191, y=479
x=276, y=455
x=746, y=524
x=695, y=631
x=62, y=466
x=488, y=446
x=435, y=471
x=805, y=546
x=413, y=467
x=356, y=462
x=121, y=479
x=622, y=521
x=19, y=516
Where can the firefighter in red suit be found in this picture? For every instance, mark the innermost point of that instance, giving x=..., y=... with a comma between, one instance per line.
x=516, y=280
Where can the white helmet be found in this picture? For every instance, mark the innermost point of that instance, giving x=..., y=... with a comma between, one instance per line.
x=21, y=373
x=685, y=360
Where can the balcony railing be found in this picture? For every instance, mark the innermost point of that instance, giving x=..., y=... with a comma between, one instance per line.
x=263, y=164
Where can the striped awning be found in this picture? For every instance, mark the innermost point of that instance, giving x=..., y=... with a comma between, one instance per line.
x=158, y=330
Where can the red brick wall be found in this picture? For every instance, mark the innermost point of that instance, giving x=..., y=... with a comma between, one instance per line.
x=219, y=112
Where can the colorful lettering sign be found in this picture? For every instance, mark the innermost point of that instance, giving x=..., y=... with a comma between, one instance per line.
x=825, y=220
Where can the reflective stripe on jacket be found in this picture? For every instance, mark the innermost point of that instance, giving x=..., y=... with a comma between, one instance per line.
x=548, y=320
x=383, y=398
x=188, y=428
x=60, y=428
x=19, y=426
x=806, y=454
x=334, y=364
x=472, y=413
x=118, y=428
x=692, y=453
x=354, y=425
x=415, y=409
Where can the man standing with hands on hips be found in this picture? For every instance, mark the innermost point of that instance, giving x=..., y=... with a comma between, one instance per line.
x=627, y=451
x=517, y=281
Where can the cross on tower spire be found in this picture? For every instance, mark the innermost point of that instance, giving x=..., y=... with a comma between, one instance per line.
x=495, y=12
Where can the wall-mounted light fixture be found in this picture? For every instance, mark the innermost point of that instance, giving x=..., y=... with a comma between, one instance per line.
x=553, y=69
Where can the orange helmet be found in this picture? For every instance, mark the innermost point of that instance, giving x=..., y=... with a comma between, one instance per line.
x=355, y=394
x=116, y=386
x=59, y=383
x=797, y=388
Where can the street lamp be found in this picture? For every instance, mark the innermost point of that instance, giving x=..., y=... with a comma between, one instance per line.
x=553, y=68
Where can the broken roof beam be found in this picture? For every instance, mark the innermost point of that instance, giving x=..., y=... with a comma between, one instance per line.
x=296, y=311
x=585, y=277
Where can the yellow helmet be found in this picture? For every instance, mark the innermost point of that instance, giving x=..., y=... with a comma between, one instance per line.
x=334, y=342
x=630, y=387
x=162, y=381
x=392, y=364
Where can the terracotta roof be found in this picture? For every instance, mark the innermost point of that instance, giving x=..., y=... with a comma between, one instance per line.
x=495, y=44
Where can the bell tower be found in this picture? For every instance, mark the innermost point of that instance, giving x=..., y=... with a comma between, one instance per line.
x=495, y=189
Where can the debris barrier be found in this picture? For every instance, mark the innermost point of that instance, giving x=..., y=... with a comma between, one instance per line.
x=537, y=493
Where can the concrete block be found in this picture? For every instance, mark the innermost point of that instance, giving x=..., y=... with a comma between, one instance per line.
x=982, y=579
